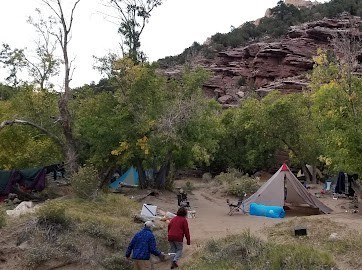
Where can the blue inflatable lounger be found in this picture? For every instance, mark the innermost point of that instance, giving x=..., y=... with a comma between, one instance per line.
x=266, y=211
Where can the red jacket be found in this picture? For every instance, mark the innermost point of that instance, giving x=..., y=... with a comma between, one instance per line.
x=177, y=229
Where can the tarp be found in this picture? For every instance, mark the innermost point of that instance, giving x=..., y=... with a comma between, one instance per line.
x=33, y=179
x=283, y=187
x=30, y=179
x=6, y=180
x=129, y=178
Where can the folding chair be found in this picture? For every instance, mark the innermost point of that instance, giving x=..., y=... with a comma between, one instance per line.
x=239, y=207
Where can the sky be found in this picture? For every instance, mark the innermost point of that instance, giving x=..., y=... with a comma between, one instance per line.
x=173, y=26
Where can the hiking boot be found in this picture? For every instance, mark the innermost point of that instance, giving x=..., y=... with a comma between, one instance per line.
x=174, y=265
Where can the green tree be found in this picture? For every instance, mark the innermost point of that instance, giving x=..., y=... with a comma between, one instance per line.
x=243, y=144
x=161, y=121
x=140, y=95
x=133, y=16
x=337, y=107
x=13, y=60
x=24, y=146
x=97, y=127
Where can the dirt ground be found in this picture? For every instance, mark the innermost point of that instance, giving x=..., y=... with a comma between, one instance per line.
x=212, y=219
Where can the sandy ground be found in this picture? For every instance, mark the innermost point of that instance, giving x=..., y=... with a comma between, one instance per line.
x=212, y=220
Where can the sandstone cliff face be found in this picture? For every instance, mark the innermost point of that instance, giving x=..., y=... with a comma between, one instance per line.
x=267, y=66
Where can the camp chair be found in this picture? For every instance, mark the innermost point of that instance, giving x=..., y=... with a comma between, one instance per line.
x=239, y=207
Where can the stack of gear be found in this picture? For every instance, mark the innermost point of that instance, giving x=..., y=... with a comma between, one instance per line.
x=344, y=184
x=182, y=199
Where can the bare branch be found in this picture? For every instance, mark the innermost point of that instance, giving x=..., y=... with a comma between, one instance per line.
x=24, y=122
x=46, y=2
x=71, y=15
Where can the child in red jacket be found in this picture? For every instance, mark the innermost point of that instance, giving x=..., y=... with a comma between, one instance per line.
x=177, y=229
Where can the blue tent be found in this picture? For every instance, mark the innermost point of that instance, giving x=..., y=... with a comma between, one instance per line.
x=129, y=178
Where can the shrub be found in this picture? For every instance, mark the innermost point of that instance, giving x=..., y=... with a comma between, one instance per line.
x=207, y=177
x=188, y=187
x=246, y=185
x=2, y=217
x=39, y=254
x=229, y=177
x=85, y=182
x=53, y=214
x=237, y=183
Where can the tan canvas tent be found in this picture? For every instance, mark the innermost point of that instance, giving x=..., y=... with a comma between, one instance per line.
x=283, y=187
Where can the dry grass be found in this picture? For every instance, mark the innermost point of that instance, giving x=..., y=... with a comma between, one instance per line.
x=346, y=247
x=248, y=252
x=72, y=231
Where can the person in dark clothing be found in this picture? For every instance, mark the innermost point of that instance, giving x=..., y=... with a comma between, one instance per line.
x=141, y=247
x=178, y=228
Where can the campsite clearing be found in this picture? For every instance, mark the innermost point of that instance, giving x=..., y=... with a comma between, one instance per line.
x=211, y=222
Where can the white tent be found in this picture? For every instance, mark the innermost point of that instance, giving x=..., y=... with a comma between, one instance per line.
x=283, y=187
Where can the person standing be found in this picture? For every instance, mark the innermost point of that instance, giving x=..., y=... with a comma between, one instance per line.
x=141, y=247
x=178, y=228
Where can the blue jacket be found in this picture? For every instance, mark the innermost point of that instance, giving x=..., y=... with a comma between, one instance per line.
x=142, y=245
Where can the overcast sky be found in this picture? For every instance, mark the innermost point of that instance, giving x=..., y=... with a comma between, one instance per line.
x=173, y=26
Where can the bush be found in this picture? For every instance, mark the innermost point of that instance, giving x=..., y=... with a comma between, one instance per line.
x=2, y=217
x=85, y=183
x=188, y=187
x=207, y=177
x=40, y=253
x=237, y=183
x=247, y=185
x=53, y=214
x=229, y=177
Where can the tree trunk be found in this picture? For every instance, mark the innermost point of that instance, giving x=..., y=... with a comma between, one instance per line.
x=107, y=176
x=66, y=118
x=307, y=174
x=143, y=183
x=162, y=174
x=69, y=148
x=314, y=175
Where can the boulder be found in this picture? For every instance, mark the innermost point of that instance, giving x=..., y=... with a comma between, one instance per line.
x=240, y=94
x=225, y=99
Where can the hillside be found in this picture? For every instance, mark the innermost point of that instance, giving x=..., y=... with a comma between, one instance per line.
x=274, y=52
